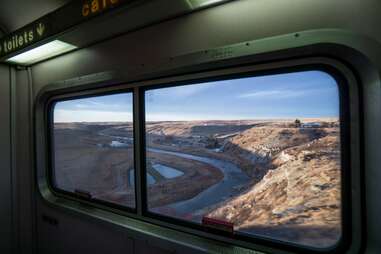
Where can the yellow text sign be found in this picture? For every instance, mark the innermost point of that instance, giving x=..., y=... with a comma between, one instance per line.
x=92, y=7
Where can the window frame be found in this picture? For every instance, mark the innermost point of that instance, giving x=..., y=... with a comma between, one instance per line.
x=51, y=146
x=344, y=116
x=139, y=86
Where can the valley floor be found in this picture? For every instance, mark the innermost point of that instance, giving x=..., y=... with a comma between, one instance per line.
x=270, y=178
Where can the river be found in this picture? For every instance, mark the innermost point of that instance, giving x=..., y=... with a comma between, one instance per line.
x=233, y=177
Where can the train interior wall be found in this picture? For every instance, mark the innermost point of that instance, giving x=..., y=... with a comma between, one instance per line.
x=30, y=223
x=5, y=158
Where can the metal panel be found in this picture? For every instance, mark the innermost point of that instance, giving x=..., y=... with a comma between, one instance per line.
x=5, y=163
x=84, y=237
x=22, y=159
x=10, y=11
x=208, y=29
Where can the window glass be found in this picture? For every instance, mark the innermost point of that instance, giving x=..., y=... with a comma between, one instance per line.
x=256, y=155
x=93, y=148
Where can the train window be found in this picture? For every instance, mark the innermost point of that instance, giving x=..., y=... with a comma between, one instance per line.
x=93, y=148
x=253, y=156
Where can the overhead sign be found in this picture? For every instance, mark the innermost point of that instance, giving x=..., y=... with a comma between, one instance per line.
x=93, y=7
x=57, y=22
x=22, y=38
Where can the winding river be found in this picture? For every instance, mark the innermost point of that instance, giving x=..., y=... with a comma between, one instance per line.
x=233, y=177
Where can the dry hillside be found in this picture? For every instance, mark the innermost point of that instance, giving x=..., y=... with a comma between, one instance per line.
x=303, y=190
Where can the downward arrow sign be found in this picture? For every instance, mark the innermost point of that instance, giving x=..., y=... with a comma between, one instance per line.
x=40, y=29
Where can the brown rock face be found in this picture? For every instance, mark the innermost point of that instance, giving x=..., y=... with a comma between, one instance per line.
x=257, y=146
x=299, y=199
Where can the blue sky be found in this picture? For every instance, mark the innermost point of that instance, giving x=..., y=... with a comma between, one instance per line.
x=108, y=108
x=293, y=95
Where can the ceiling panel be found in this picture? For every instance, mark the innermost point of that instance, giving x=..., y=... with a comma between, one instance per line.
x=15, y=14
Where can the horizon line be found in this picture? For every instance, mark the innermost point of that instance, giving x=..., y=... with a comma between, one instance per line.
x=221, y=120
